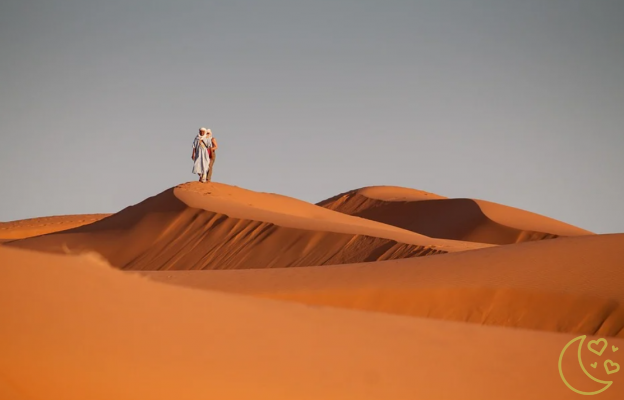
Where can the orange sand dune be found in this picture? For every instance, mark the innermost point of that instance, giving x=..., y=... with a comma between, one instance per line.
x=26, y=228
x=440, y=217
x=566, y=285
x=74, y=328
x=216, y=226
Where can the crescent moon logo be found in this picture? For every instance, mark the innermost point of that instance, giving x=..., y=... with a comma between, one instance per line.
x=580, y=346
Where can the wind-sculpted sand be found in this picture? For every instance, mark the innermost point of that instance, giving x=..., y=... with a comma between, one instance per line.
x=214, y=291
x=564, y=285
x=75, y=328
x=440, y=217
x=217, y=226
x=26, y=228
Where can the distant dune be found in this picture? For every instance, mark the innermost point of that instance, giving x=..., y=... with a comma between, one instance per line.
x=439, y=217
x=26, y=228
x=397, y=294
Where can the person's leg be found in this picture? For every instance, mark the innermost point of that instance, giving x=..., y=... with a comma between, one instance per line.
x=204, y=166
x=212, y=161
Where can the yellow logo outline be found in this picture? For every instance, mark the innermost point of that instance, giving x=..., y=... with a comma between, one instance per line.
x=580, y=347
x=604, y=347
x=616, y=365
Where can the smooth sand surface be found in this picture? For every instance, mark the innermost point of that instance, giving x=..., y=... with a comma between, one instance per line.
x=26, y=228
x=187, y=295
x=457, y=219
x=75, y=328
x=565, y=285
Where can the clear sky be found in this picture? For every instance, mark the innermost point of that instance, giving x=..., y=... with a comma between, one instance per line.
x=519, y=102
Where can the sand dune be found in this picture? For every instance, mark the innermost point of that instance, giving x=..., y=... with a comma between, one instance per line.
x=458, y=219
x=204, y=306
x=564, y=285
x=216, y=226
x=26, y=228
x=79, y=329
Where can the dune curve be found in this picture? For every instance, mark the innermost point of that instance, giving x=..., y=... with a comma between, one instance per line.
x=25, y=228
x=193, y=226
x=565, y=285
x=457, y=219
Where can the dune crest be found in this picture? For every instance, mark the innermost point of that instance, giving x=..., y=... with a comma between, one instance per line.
x=25, y=228
x=188, y=295
x=456, y=219
x=216, y=226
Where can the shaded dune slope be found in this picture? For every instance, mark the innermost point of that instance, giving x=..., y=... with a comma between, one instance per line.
x=25, y=228
x=566, y=285
x=175, y=231
x=457, y=219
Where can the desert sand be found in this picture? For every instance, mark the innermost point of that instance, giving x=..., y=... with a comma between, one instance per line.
x=214, y=291
x=440, y=217
x=26, y=228
x=568, y=285
x=237, y=228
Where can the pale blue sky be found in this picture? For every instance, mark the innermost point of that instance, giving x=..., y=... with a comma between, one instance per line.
x=519, y=102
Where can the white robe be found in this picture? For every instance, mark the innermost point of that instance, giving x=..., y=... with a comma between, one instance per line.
x=202, y=160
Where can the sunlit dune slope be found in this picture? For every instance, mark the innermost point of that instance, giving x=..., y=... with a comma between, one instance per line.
x=80, y=329
x=440, y=217
x=565, y=285
x=216, y=226
x=25, y=228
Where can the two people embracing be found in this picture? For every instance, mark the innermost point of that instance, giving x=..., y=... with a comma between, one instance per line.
x=204, y=154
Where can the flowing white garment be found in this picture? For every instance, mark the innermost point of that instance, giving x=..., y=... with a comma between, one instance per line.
x=201, y=164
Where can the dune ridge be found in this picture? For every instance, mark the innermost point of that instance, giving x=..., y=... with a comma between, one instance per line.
x=180, y=229
x=456, y=219
x=25, y=228
x=569, y=285
x=190, y=294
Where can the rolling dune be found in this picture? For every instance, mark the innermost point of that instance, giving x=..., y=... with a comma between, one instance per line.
x=457, y=219
x=204, y=305
x=78, y=329
x=216, y=226
x=565, y=285
x=26, y=228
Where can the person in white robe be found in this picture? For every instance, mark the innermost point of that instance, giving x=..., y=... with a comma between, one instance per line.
x=200, y=156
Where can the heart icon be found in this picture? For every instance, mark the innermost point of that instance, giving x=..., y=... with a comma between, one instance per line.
x=614, y=348
x=589, y=346
x=615, y=365
x=594, y=365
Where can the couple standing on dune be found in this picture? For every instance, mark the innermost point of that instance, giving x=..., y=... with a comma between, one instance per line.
x=204, y=154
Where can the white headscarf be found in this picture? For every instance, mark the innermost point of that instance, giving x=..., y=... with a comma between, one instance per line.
x=205, y=139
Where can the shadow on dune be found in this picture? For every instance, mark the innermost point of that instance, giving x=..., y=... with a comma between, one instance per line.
x=164, y=233
x=455, y=219
x=527, y=309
